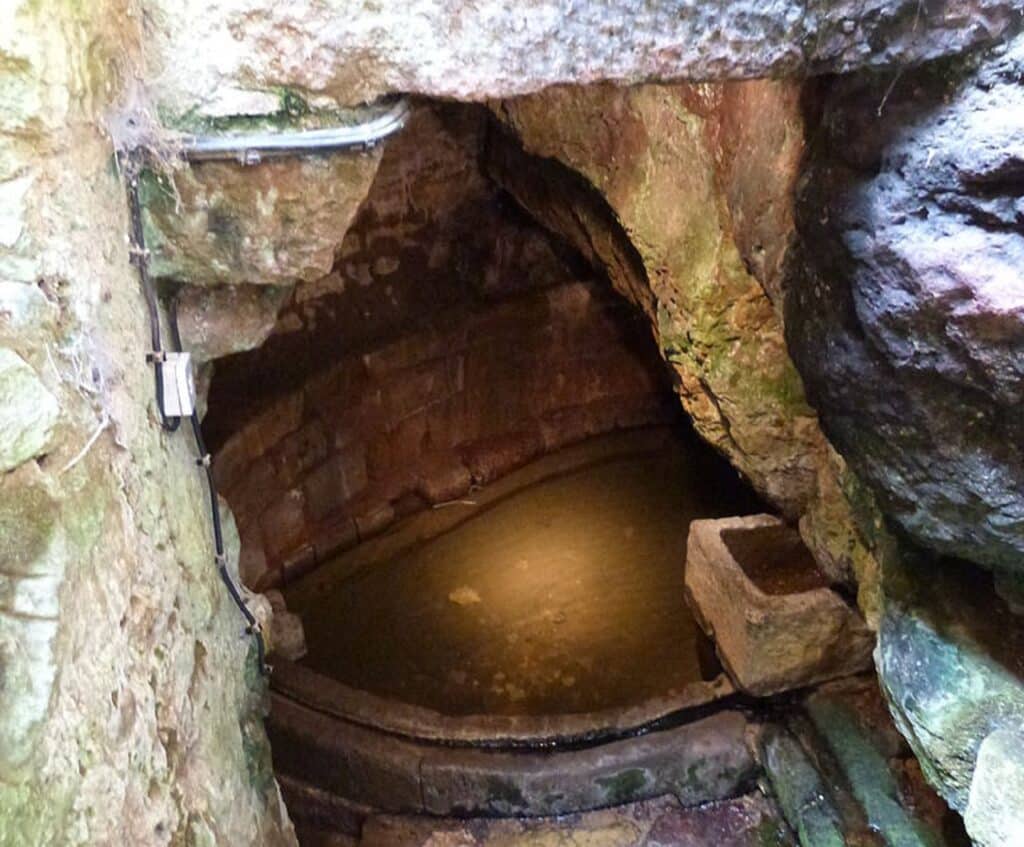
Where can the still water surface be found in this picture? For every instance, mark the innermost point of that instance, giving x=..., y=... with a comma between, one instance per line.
x=564, y=595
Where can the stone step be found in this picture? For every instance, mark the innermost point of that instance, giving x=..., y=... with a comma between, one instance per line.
x=747, y=821
x=843, y=775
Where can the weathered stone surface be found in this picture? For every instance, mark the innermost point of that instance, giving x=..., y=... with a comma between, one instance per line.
x=697, y=763
x=950, y=658
x=685, y=208
x=769, y=642
x=801, y=791
x=843, y=775
x=222, y=320
x=904, y=315
x=217, y=60
x=221, y=223
x=748, y=821
x=130, y=710
x=287, y=638
x=28, y=412
x=906, y=310
x=830, y=531
x=995, y=810
x=33, y=550
x=454, y=340
x=859, y=750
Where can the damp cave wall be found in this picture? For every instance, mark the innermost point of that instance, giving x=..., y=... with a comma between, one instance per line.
x=127, y=710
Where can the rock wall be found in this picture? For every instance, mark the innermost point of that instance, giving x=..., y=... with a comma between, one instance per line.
x=911, y=277
x=683, y=194
x=663, y=161
x=129, y=710
x=454, y=341
x=421, y=419
x=240, y=59
x=904, y=314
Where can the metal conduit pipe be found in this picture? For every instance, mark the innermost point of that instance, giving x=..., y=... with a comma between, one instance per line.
x=252, y=148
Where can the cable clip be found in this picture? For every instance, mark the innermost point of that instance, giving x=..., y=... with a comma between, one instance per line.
x=254, y=628
x=156, y=357
x=137, y=255
x=205, y=460
x=220, y=559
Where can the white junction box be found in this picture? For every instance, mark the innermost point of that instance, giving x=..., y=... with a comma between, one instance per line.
x=179, y=385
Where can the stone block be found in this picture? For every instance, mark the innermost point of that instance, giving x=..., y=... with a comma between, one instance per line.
x=226, y=319
x=298, y=562
x=273, y=224
x=699, y=762
x=284, y=524
x=282, y=418
x=800, y=790
x=373, y=518
x=325, y=490
x=344, y=759
x=776, y=624
x=287, y=637
x=254, y=491
x=995, y=808
x=300, y=450
x=442, y=479
x=490, y=458
x=28, y=412
x=334, y=536
x=252, y=560
x=856, y=746
x=352, y=465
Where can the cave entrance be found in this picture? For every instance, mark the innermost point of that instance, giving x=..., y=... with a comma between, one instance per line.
x=461, y=459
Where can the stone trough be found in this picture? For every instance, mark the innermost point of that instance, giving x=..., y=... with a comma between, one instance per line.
x=776, y=623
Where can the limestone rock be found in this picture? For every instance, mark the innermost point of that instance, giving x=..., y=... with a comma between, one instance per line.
x=995, y=811
x=33, y=550
x=287, y=638
x=221, y=223
x=221, y=320
x=830, y=531
x=802, y=632
x=679, y=220
x=139, y=721
x=28, y=412
x=209, y=60
x=905, y=314
x=950, y=658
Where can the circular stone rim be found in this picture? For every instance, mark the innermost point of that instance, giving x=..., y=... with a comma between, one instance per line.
x=397, y=717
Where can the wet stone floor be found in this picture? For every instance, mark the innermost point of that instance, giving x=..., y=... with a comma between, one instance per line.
x=560, y=591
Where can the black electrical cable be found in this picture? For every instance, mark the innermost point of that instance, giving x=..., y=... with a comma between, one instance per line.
x=140, y=258
x=204, y=461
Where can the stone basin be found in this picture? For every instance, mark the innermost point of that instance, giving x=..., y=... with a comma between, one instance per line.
x=593, y=534
x=776, y=623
